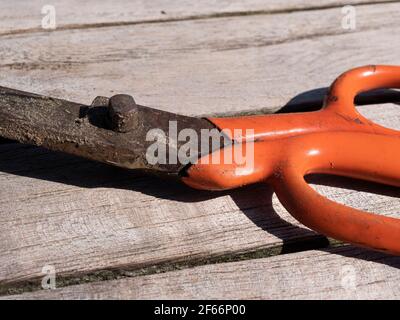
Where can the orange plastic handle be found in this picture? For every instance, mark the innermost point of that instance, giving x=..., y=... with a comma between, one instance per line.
x=358, y=155
x=335, y=140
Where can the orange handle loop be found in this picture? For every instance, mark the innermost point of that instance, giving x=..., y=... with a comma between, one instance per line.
x=336, y=140
x=344, y=89
x=360, y=155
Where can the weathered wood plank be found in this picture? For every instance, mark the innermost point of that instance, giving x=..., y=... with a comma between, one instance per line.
x=205, y=66
x=340, y=273
x=26, y=16
x=80, y=216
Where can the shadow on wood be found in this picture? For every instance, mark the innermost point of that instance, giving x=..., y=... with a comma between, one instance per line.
x=260, y=216
x=312, y=100
x=42, y=164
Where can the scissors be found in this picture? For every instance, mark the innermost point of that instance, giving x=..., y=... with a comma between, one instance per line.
x=284, y=148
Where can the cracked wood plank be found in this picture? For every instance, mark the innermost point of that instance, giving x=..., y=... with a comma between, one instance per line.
x=81, y=216
x=339, y=273
x=205, y=66
x=26, y=16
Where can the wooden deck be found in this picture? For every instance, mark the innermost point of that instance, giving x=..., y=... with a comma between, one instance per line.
x=115, y=234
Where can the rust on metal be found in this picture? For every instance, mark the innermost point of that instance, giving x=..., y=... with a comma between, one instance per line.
x=110, y=130
x=124, y=113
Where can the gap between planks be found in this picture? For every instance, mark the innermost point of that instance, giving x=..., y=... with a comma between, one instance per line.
x=286, y=95
x=277, y=9
x=344, y=272
x=298, y=243
x=34, y=285
x=234, y=69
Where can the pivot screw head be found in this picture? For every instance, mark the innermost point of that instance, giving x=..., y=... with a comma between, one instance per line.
x=122, y=111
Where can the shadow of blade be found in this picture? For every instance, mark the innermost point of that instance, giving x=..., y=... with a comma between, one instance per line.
x=39, y=163
x=4, y=140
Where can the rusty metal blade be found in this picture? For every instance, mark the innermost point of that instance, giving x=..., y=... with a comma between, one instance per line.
x=86, y=131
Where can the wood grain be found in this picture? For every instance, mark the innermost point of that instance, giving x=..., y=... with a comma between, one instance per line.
x=205, y=66
x=81, y=216
x=341, y=273
x=26, y=16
